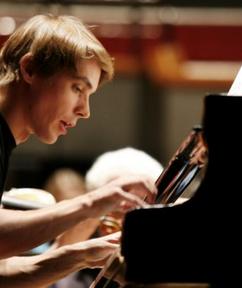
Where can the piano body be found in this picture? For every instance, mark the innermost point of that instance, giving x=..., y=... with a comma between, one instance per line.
x=197, y=241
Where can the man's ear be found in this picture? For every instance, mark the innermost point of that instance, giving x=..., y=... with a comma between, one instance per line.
x=26, y=68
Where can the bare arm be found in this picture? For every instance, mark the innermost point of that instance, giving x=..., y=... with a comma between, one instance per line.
x=45, y=269
x=23, y=230
x=80, y=232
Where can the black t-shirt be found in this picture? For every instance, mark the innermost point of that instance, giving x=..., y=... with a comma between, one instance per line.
x=7, y=144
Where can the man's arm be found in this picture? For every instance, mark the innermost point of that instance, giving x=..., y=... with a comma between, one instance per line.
x=20, y=231
x=23, y=230
x=45, y=269
x=80, y=232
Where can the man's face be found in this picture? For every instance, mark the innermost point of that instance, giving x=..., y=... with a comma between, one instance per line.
x=58, y=102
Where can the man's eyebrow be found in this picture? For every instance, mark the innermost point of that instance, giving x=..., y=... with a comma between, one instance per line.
x=85, y=80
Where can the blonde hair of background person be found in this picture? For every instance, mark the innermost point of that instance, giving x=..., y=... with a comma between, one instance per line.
x=49, y=68
x=127, y=160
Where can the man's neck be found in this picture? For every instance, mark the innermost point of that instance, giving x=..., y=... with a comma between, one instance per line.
x=10, y=107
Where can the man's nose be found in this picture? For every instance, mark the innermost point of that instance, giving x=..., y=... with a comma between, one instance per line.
x=83, y=110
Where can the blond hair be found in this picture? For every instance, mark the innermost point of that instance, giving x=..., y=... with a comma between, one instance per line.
x=113, y=164
x=55, y=43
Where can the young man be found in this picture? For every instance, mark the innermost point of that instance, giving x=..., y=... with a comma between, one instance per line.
x=49, y=68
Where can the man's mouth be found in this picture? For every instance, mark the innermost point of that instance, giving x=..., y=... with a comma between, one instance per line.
x=65, y=125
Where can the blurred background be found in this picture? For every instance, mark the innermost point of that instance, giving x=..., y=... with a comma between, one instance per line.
x=168, y=56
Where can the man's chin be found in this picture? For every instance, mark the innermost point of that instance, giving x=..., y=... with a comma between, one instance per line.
x=49, y=140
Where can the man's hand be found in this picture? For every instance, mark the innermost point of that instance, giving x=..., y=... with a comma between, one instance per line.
x=121, y=195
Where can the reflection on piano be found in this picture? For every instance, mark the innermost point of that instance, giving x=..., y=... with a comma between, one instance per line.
x=185, y=164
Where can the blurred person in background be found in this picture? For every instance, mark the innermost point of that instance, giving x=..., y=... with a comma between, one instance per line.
x=49, y=68
x=67, y=183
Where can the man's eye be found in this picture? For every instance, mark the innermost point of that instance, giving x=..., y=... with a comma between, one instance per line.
x=77, y=89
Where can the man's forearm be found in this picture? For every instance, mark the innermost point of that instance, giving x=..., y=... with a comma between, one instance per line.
x=80, y=232
x=39, y=271
x=38, y=226
x=45, y=269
